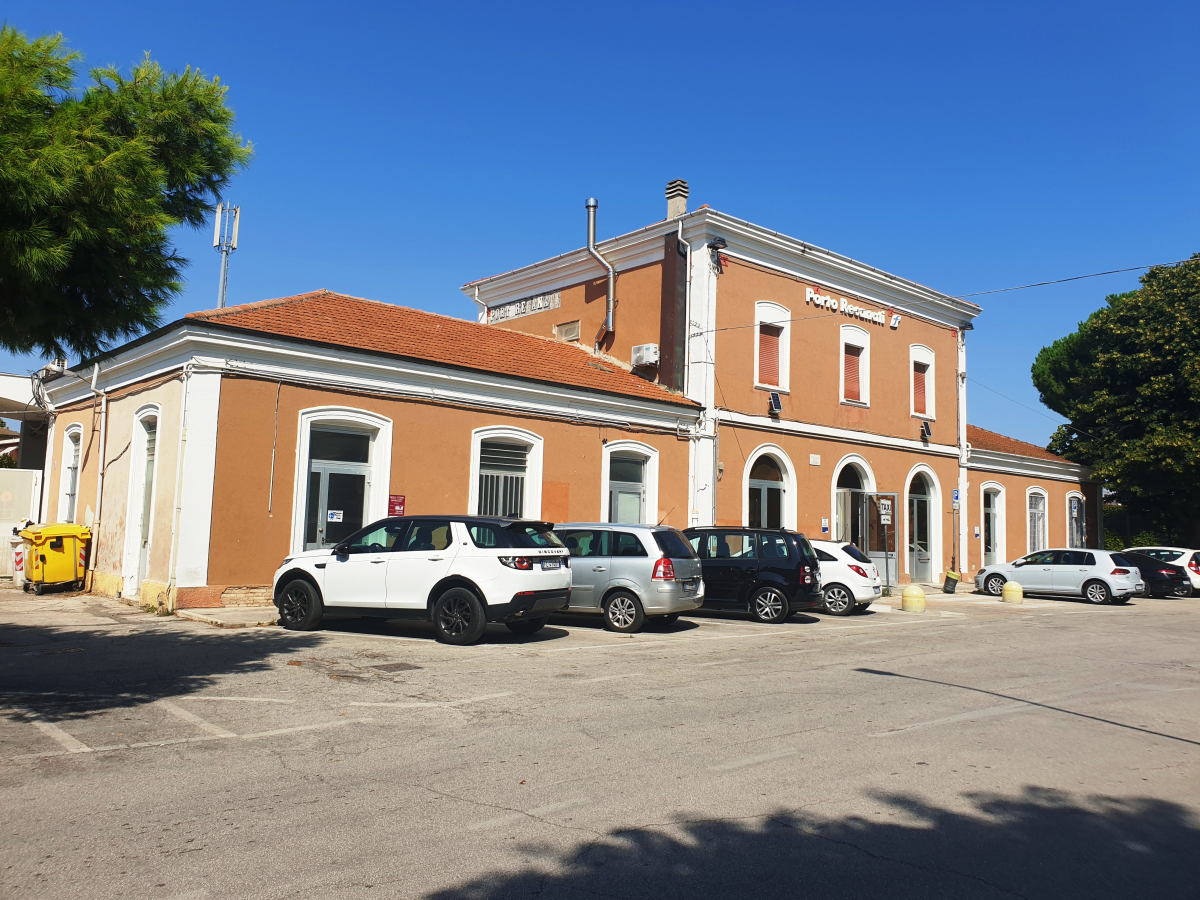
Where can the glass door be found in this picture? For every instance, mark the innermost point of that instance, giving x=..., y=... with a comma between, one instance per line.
x=881, y=535
x=765, y=499
x=626, y=489
x=990, y=527
x=338, y=482
x=920, y=560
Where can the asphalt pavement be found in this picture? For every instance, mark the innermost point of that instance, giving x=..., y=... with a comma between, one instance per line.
x=975, y=750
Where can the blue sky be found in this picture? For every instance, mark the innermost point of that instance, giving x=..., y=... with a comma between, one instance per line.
x=404, y=149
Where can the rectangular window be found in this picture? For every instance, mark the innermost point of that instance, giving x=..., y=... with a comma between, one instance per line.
x=919, y=370
x=502, y=478
x=853, y=356
x=768, y=354
x=1037, y=522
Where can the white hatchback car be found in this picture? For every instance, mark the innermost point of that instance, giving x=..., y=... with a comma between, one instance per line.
x=1099, y=576
x=459, y=571
x=1189, y=559
x=851, y=581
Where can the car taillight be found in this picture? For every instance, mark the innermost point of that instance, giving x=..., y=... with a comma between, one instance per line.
x=664, y=570
x=1194, y=566
x=859, y=570
x=1170, y=573
x=516, y=562
x=1120, y=571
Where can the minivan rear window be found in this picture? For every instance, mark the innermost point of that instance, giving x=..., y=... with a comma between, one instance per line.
x=526, y=534
x=673, y=544
x=854, y=553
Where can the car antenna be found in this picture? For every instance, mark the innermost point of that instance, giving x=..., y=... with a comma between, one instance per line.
x=664, y=518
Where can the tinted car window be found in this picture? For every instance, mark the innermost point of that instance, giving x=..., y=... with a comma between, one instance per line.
x=377, y=538
x=805, y=547
x=1162, y=555
x=1045, y=558
x=825, y=557
x=699, y=544
x=539, y=535
x=731, y=545
x=585, y=542
x=1119, y=560
x=1075, y=558
x=854, y=553
x=429, y=535
x=487, y=536
x=673, y=544
x=626, y=544
x=774, y=546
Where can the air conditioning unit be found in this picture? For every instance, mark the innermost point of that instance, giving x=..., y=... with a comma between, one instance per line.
x=645, y=354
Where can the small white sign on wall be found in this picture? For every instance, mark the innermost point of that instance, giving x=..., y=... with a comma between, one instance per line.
x=814, y=459
x=335, y=515
x=824, y=526
x=977, y=532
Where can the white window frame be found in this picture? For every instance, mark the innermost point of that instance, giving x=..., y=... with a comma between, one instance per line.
x=649, y=456
x=131, y=559
x=533, y=466
x=773, y=314
x=788, y=506
x=865, y=473
x=855, y=337
x=1074, y=495
x=935, y=520
x=1029, y=492
x=379, y=460
x=919, y=353
x=994, y=487
x=72, y=437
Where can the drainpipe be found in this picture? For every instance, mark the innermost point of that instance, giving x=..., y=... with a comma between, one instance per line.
x=171, y=589
x=606, y=326
x=962, y=544
x=103, y=395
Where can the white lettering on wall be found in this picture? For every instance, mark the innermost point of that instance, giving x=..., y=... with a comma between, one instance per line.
x=526, y=306
x=846, y=308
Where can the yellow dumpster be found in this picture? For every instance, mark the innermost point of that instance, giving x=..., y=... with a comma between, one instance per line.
x=55, y=554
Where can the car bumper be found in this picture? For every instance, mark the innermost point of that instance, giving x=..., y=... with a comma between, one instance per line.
x=802, y=602
x=670, y=597
x=528, y=604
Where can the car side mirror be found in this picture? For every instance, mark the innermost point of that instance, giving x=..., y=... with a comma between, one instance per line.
x=341, y=550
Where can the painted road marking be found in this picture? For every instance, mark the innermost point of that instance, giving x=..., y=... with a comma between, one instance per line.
x=608, y=678
x=748, y=761
x=299, y=728
x=68, y=743
x=443, y=704
x=517, y=817
x=237, y=699
x=202, y=724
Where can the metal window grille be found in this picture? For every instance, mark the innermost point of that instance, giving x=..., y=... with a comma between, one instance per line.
x=502, y=478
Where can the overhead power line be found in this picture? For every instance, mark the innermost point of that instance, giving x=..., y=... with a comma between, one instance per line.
x=1022, y=287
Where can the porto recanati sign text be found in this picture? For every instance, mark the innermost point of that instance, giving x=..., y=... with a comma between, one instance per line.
x=526, y=306
x=844, y=306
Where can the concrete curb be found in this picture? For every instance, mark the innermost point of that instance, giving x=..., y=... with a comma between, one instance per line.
x=223, y=619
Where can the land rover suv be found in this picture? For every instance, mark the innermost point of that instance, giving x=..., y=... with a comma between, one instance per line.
x=459, y=571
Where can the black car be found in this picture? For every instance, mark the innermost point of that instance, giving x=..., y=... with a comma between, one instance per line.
x=770, y=572
x=1162, y=579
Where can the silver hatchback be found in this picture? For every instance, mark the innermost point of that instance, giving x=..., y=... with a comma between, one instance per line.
x=631, y=573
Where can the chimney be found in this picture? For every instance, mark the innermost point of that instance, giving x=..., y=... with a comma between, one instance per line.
x=677, y=194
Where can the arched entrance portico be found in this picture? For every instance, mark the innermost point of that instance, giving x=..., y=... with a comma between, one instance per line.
x=768, y=489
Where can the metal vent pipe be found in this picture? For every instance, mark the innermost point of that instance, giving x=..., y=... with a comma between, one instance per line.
x=607, y=325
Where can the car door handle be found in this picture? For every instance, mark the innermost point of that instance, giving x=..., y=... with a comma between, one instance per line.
x=376, y=562
x=436, y=558
x=598, y=568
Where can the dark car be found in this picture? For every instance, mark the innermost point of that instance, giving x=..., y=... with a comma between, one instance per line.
x=769, y=572
x=1162, y=579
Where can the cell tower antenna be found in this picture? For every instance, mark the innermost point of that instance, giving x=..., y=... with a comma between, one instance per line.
x=225, y=240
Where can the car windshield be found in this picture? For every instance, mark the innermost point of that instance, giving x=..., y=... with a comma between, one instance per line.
x=673, y=544
x=533, y=534
x=854, y=553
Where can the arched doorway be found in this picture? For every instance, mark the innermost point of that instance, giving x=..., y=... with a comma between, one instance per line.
x=920, y=529
x=851, y=490
x=764, y=499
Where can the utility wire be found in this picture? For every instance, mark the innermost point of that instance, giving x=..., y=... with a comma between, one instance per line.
x=1022, y=287
x=1030, y=408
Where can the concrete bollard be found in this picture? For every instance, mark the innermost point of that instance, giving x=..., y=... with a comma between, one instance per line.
x=913, y=599
x=1013, y=592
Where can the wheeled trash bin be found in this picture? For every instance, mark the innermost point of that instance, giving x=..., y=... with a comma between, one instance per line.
x=55, y=554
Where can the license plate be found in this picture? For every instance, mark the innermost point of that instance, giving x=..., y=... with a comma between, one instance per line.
x=551, y=564
x=878, y=591
x=689, y=587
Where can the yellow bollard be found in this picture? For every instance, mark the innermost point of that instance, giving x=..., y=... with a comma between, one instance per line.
x=1013, y=592
x=913, y=599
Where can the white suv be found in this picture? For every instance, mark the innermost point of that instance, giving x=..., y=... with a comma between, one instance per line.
x=851, y=580
x=459, y=571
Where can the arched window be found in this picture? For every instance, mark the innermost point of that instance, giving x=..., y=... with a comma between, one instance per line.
x=765, y=497
x=1076, y=520
x=921, y=394
x=629, y=483
x=69, y=474
x=1037, y=519
x=856, y=366
x=992, y=528
x=506, y=473
x=772, y=356
x=139, y=515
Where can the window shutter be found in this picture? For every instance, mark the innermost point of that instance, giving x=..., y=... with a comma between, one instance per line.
x=852, y=359
x=768, y=354
x=919, y=370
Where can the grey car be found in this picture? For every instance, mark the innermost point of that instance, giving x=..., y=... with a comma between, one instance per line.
x=631, y=573
x=1099, y=576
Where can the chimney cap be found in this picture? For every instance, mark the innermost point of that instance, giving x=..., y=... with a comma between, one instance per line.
x=677, y=188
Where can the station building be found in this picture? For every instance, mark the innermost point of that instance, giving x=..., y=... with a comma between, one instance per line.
x=700, y=371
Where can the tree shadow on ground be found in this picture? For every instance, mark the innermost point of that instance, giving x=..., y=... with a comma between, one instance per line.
x=1041, y=843
x=69, y=672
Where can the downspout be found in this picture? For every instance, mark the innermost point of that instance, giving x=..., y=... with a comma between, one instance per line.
x=606, y=326
x=103, y=395
x=963, y=453
x=171, y=589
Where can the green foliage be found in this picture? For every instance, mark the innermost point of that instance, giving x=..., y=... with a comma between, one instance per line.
x=1129, y=382
x=1113, y=541
x=90, y=185
x=8, y=460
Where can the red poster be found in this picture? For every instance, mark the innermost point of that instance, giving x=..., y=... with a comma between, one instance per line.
x=395, y=504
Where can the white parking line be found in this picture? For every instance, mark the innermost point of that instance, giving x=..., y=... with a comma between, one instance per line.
x=514, y=818
x=237, y=699
x=202, y=724
x=68, y=743
x=747, y=761
x=608, y=678
x=718, y=662
x=442, y=704
x=298, y=728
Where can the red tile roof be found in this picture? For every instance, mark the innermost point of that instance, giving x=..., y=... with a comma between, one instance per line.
x=337, y=319
x=982, y=439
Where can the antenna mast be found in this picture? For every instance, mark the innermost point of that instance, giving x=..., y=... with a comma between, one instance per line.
x=225, y=237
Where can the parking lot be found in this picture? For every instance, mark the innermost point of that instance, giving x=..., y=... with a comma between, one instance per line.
x=977, y=749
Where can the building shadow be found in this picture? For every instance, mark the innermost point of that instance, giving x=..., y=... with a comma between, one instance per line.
x=65, y=673
x=1040, y=843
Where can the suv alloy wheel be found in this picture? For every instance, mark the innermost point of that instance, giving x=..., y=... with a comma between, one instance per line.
x=458, y=617
x=769, y=605
x=300, y=606
x=623, y=613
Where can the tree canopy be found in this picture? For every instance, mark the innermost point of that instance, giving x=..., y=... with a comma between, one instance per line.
x=91, y=182
x=1129, y=382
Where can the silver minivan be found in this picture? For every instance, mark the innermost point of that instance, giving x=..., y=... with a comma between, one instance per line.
x=631, y=573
